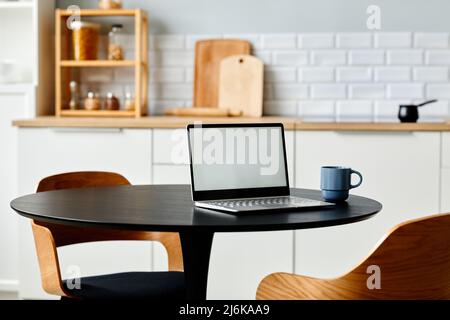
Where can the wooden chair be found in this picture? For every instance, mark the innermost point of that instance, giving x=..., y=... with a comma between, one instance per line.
x=134, y=285
x=414, y=262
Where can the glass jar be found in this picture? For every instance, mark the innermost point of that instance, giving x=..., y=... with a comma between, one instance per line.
x=85, y=38
x=130, y=103
x=92, y=102
x=110, y=4
x=115, y=47
x=111, y=102
x=73, y=104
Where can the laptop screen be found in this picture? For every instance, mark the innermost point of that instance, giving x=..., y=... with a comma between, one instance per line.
x=229, y=161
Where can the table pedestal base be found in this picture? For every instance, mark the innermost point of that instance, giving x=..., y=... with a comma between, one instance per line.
x=196, y=254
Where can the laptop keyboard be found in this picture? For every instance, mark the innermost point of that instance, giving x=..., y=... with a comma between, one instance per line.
x=262, y=202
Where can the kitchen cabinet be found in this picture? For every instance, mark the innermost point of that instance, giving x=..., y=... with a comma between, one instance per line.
x=238, y=261
x=445, y=173
x=170, y=157
x=14, y=103
x=445, y=190
x=401, y=170
x=44, y=152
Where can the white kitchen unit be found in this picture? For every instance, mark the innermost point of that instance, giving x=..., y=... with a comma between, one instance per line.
x=410, y=184
x=27, y=44
x=44, y=152
x=170, y=157
x=401, y=170
x=26, y=90
x=234, y=255
x=15, y=101
x=445, y=173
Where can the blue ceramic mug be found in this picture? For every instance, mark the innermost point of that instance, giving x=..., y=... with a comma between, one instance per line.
x=336, y=182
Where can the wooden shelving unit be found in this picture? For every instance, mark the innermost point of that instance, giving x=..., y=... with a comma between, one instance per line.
x=65, y=63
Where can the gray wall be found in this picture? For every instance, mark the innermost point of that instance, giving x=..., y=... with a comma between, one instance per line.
x=258, y=16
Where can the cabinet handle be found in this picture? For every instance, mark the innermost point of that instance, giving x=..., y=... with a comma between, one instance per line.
x=87, y=130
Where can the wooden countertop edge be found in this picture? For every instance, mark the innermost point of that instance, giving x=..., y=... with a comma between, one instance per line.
x=142, y=123
x=180, y=122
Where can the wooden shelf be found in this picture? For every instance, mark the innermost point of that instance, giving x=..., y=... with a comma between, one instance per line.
x=103, y=13
x=99, y=113
x=65, y=64
x=97, y=63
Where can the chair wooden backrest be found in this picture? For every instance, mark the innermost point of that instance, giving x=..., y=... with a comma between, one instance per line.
x=48, y=237
x=208, y=56
x=413, y=261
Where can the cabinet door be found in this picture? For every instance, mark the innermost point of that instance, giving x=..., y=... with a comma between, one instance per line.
x=44, y=152
x=445, y=190
x=401, y=170
x=12, y=106
x=445, y=173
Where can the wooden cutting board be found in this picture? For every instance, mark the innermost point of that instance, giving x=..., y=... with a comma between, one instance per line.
x=241, y=85
x=202, y=112
x=208, y=55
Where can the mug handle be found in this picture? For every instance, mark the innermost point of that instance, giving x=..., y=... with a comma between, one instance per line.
x=360, y=179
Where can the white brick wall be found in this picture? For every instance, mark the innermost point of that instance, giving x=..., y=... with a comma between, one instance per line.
x=354, y=40
x=392, y=74
x=354, y=74
x=329, y=57
x=291, y=58
x=431, y=40
x=367, y=91
x=406, y=91
x=405, y=57
x=316, y=41
x=317, y=76
x=309, y=75
x=279, y=41
x=431, y=74
x=354, y=111
x=366, y=57
x=317, y=110
x=393, y=40
x=328, y=91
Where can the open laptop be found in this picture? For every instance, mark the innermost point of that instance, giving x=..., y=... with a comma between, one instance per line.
x=241, y=168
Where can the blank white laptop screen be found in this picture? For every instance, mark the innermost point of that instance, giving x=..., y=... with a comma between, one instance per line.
x=228, y=158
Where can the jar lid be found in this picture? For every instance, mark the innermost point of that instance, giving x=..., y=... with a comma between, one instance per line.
x=91, y=95
x=110, y=95
x=117, y=26
x=75, y=25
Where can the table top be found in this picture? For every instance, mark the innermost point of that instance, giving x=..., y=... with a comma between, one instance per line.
x=170, y=208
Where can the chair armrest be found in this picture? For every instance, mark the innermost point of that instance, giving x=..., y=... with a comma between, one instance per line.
x=48, y=261
x=284, y=286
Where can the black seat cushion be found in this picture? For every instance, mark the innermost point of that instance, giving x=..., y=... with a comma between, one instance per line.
x=131, y=285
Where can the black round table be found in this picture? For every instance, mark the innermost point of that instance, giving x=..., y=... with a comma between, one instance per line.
x=170, y=208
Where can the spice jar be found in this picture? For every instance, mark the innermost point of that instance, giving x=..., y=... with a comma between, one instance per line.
x=110, y=4
x=115, y=46
x=130, y=104
x=111, y=102
x=73, y=104
x=85, y=40
x=92, y=102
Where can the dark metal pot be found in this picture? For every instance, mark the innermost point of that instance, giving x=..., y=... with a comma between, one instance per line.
x=409, y=113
